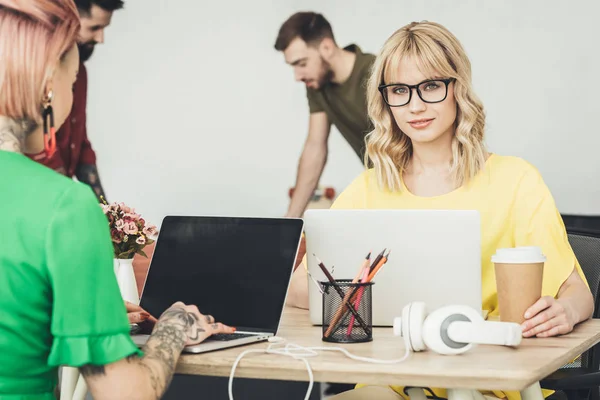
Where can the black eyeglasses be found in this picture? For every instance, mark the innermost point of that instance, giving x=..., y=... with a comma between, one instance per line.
x=430, y=91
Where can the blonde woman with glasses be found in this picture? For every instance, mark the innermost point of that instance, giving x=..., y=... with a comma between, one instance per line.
x=427, y=151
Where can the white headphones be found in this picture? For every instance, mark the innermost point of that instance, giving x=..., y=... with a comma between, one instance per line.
x=452, y=329
x=447, y=330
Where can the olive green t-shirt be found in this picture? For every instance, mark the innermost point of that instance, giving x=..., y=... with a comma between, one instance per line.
x=346, y=104
x=59, y=299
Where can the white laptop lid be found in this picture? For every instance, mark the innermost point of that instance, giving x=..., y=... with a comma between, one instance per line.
x=435, y=256
x=235, y=269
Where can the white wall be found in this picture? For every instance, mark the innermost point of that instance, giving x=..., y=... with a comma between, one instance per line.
x=192, y=111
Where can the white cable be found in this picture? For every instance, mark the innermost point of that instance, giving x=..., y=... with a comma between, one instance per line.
x=301, y=353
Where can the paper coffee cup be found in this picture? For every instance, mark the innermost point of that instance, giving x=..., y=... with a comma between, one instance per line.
x=519, y=273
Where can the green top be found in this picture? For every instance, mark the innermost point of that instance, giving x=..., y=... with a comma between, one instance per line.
x=59, y=299
x=346, y=104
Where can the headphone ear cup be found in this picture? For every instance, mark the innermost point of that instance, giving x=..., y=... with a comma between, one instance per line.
x=413, y=316
x=435, y=329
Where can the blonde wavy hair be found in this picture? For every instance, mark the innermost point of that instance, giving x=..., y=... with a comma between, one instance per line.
x=437, y=52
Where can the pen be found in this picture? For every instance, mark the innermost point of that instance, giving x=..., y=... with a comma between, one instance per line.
x=339, y=316
x=348, y=296
x=344, y=300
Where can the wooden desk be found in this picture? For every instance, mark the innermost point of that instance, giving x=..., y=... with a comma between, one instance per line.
x=484, y=367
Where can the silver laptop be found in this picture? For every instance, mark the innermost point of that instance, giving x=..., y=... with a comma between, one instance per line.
x=435, y=256
x=235, y=269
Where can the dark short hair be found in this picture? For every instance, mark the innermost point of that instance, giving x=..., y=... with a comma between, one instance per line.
x=308, y=26
x=84, y=6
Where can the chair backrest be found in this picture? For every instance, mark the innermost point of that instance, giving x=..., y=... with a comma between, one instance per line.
x=586, y=246
x=587, y=222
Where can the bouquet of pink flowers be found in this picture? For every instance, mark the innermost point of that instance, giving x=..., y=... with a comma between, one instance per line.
x=129, y=231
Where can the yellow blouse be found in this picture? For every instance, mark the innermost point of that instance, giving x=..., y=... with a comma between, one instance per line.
x=516, y=209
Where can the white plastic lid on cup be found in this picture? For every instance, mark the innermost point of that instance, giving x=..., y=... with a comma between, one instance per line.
x=519, y=255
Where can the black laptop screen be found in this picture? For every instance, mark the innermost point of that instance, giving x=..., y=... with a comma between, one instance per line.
x=235, y=269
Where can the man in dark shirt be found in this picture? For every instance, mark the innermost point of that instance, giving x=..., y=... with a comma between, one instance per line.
x=335, y=80
x=74, y=156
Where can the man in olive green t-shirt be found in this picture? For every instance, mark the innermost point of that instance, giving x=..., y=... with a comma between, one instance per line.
x=335, y=80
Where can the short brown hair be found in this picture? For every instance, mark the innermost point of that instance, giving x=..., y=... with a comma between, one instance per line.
x=85, y=6
x=308, y=26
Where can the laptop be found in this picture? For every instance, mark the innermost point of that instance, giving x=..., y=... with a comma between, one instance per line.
x=236, y=269
x=435, y=256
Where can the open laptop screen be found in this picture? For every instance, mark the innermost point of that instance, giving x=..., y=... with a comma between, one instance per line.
x=235, y=269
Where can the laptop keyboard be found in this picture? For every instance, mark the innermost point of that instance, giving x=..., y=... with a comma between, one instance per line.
x=225, y=337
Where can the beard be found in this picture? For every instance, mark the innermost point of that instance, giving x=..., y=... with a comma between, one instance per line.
x=86, y=50
x=324, y=77
x=326, y=74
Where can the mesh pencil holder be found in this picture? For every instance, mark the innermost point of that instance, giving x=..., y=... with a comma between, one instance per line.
x=340, y=325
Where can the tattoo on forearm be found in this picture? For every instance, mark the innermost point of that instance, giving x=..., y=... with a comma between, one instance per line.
x=164, y=346
x=88, y=174
x=162, y=350
x=161, y=354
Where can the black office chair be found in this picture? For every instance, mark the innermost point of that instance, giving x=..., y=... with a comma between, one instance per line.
x=581, y=379
x=586, y=222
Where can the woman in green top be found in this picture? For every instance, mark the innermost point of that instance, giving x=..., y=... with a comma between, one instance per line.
x=59, y=299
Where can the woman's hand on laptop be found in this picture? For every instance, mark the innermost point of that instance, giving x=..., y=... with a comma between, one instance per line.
x=137, y=314
x=196, y=326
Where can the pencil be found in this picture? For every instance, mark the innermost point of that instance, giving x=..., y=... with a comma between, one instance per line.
x=341, y=294
x=377, y=259
x=362, y=289
x=361, y=270
x=375, y=270
x=386, y=258
x=372, y=275
x=348, y=297
x=357, y=302
x=342, y=311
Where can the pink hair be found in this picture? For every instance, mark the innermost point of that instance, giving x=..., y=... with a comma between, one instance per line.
x=34, y=37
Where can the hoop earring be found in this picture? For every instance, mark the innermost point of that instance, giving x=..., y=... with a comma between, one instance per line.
x=48, y=123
